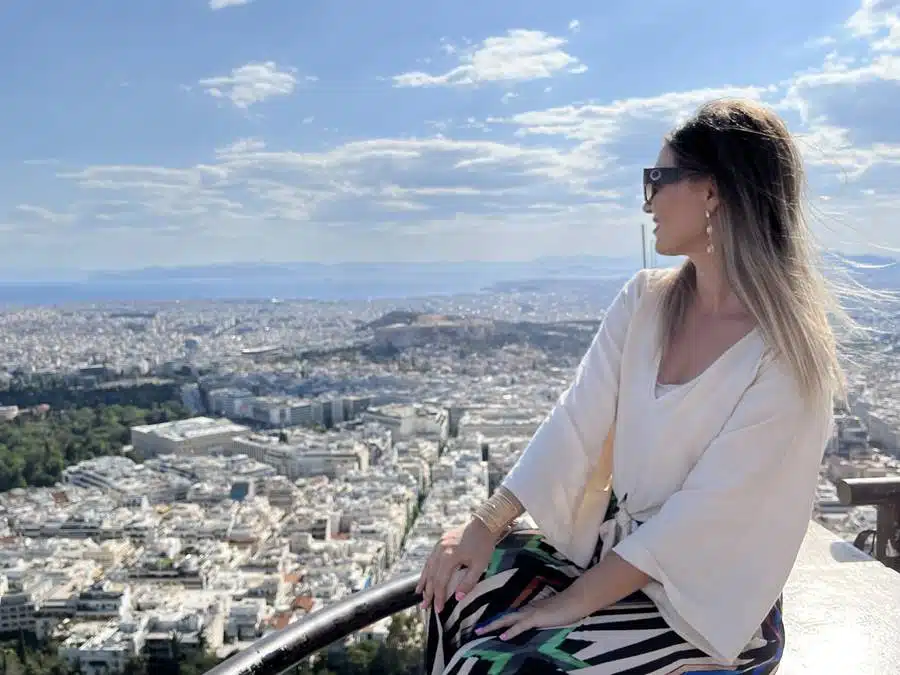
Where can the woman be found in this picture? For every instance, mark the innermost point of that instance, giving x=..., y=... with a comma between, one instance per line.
x=673, y=481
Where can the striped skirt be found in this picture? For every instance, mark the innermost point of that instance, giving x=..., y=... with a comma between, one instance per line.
x=630, y=637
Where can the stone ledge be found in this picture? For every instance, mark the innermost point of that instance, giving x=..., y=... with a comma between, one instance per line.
x=841, y=611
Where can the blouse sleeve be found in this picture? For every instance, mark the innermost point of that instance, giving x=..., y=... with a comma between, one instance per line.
x=551, y=472
x=721, y=548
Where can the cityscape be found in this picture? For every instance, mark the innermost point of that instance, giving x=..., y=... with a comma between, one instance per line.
x=309, y=450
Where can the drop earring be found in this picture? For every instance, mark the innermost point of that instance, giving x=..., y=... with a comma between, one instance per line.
x=709, y=247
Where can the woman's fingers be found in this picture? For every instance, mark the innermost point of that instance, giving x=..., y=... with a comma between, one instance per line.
x=514, y=621
x=428, y=576
x=426, y=579
x=500, y=621
x=522, y=624
x=420, y=584
x=423, y=576
x=448, y=565
x=428, y=592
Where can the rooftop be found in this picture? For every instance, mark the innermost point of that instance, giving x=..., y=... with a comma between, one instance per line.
x=195, y=427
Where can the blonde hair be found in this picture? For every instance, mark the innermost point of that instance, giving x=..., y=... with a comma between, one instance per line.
x=764, y=243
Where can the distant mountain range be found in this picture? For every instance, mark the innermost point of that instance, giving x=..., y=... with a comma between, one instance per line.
x=340, y=281
x=355, y=281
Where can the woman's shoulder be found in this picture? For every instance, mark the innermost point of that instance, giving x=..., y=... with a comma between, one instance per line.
x=777, y=386
x=648, y=281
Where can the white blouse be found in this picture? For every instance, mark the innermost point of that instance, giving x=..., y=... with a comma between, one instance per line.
x=715, y=477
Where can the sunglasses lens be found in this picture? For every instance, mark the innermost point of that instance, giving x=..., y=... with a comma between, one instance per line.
x=650, y=177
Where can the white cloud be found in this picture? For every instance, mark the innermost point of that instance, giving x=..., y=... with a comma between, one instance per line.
x=819, y=42
x=253, y=83
x=873, y=16
x=447, y=47
x=878, y=21
x=574, y=25
x=829, y=146
x=518, y=56
x=242, y=145
x=604, y=123
x=408, y=183
x=222, y=4
x=837, y=71
x=41, y=213
x=847, y=104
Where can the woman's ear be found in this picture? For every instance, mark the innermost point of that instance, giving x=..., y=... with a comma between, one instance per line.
x=712, y=197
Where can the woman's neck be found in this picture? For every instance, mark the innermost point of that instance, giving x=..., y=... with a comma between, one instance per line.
x=714, y=294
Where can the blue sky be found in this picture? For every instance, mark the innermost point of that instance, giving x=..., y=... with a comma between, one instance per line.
x=166, y=132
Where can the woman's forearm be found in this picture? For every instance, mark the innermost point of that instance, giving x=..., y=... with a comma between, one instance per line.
x=499, y=511
x=607, y=582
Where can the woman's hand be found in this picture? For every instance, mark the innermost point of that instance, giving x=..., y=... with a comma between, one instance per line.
x=603, y=585
x=561, y=609
x=469, y=546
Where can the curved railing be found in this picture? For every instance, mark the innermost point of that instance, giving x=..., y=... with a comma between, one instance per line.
x=280, y=651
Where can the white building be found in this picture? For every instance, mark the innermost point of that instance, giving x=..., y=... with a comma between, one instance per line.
x=16, y=612
x=405, y=421
x=104, y=649
x=245, y=619
x=194, y=436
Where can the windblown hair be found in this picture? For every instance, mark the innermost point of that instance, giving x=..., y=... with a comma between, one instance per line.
x=766, y=249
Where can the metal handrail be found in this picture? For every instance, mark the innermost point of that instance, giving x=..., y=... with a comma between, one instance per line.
x=286, y=648
x=884, y=494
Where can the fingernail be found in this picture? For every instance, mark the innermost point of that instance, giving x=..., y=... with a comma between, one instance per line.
x=503, y=636
x=459, y=595
x=479, y=631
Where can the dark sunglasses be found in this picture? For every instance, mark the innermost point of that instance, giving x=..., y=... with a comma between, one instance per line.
x=659, y=176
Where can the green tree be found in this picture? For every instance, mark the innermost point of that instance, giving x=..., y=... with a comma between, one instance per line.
x=12, y=665
x=35, y=450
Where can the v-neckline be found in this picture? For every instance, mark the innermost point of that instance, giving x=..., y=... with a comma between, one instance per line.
x=671, y=388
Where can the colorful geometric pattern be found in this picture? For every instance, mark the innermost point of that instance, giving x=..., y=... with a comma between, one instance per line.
x=629, y=638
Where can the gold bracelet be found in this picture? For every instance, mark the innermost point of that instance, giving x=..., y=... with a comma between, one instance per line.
x=499, y=511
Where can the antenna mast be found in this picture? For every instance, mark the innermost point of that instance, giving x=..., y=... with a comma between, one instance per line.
x=644, y=245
